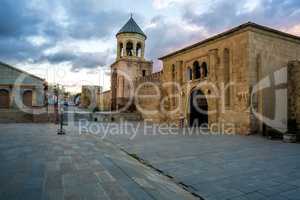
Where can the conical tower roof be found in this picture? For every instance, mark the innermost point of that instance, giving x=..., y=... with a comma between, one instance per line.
x=131, y=27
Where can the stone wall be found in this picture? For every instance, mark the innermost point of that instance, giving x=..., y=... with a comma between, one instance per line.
x=17, y=82
x=269, y=55
x=294, y=93
x=18, y=116
x=212, y=53
x=148, y=92
x=104, y=103
x=89, y=96
x=125, y=71
x=116, y=117
x=246, y=56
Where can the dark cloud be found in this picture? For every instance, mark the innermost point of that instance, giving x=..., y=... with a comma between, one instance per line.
x=55, y=21
x=59, y=57
x=228, y=13
x=87, y=20
x=17, y=19
x=15, y=50
x=68, y=20
x=78, y=60
x=90, y=61
x=165, y=37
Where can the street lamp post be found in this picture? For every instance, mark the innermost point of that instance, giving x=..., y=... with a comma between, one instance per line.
x=56, y=103
x=60, y=117
x=61, y=131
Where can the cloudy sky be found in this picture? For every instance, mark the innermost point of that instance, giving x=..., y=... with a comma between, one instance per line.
x=73, y=41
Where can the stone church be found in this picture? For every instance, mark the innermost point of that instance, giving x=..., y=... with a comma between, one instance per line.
x=247, y=77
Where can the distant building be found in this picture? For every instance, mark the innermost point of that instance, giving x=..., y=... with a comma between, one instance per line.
x=104, y=101
x=89, y=96
x=21, y=94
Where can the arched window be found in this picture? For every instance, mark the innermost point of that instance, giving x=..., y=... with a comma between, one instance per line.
x=129, y=49
x=27, y=98
x=189, y=74
x=204, y=69
x=121, y=49
x=227, y=76
x=196, y=68
x=139, y=50
x=4, y=98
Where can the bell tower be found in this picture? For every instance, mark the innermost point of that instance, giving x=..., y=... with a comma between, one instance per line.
x=131, y=41
x=129, y=66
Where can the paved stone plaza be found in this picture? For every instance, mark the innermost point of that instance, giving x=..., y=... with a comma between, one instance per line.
x=36, y=163
x=221, y=167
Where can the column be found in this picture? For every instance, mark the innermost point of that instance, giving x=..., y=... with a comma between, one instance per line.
x=143, y=51
x=118, y=50
x=134, y=48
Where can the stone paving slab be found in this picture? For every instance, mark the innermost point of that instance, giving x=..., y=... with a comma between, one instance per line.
x=36, y=163
x=220, y=167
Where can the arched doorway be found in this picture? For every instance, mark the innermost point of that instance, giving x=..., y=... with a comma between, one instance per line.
x=4, y=99
x=198, y=109
x=27, y=98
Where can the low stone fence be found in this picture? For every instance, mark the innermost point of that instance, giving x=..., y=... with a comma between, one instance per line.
x=116, y=117
x=17, y=116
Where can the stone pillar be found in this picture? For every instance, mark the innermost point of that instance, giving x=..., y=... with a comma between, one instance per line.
x=134, y=53
x=179, y=71
x=143, y=50
x=11, y=96
x=34, y=97
x=118, y=50
x=213, y=63
x=125, y=48
x=114, y=90
x=294, y=95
